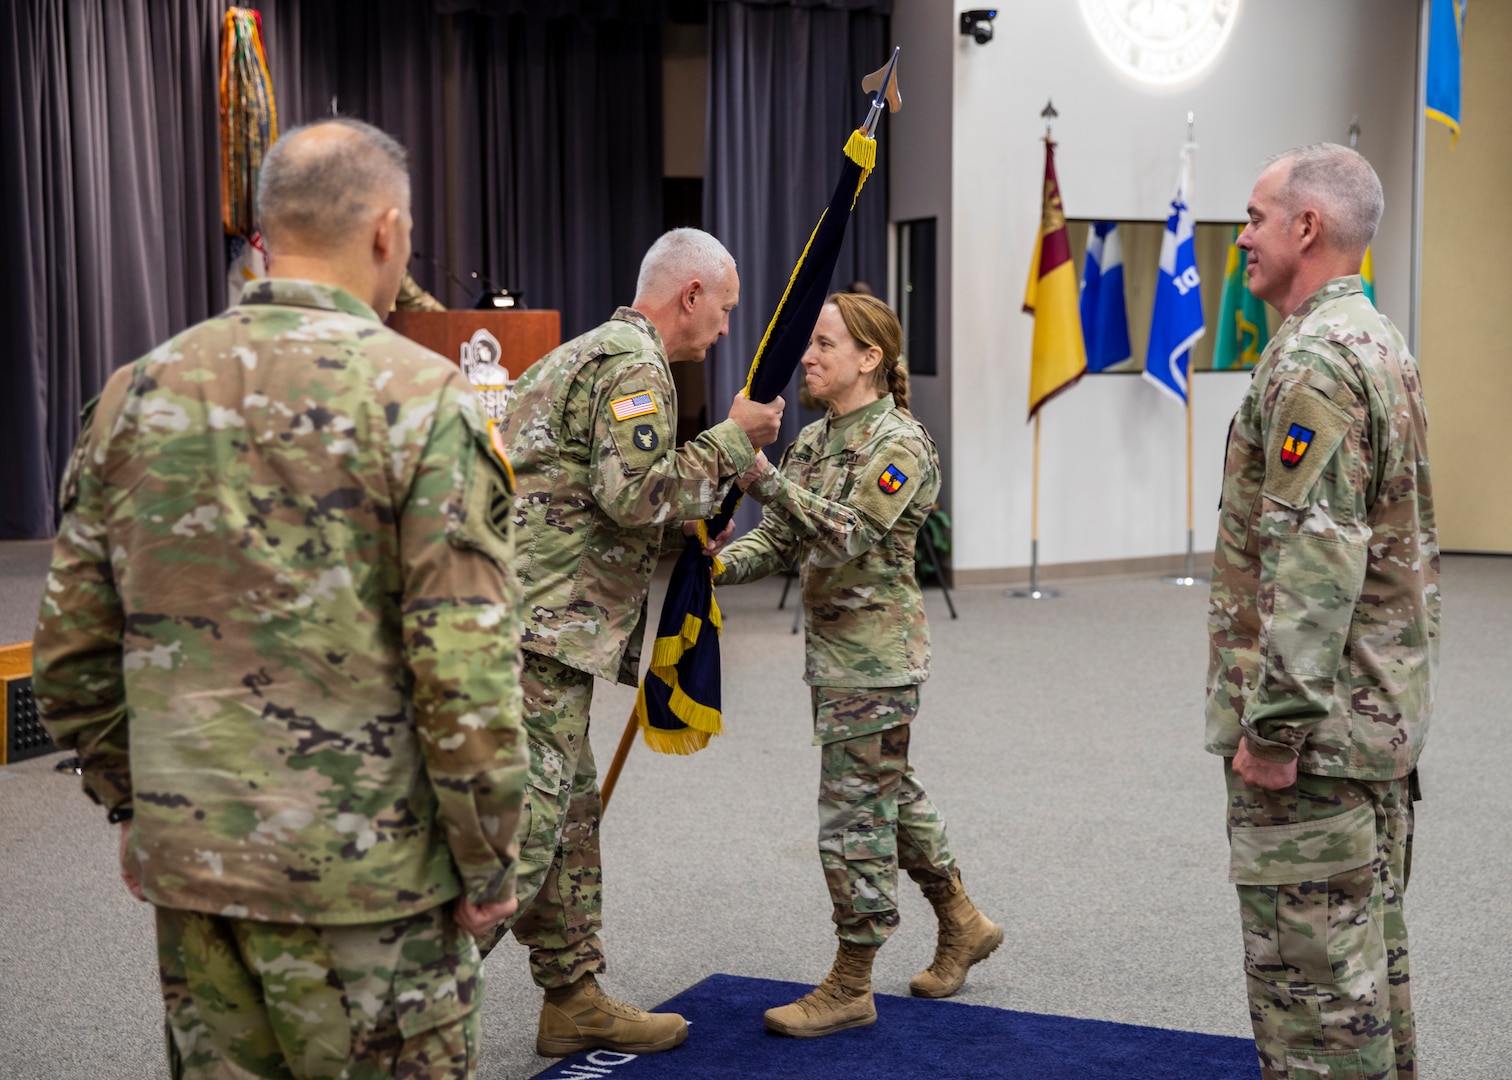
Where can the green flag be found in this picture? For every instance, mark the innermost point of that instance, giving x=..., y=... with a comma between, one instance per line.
x=1242, y=331
x=1367, y=276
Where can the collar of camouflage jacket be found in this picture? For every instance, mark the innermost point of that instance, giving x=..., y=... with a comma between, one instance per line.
x=842, y=428
x=289, y=292
x=641, y=323
x=1331, y=290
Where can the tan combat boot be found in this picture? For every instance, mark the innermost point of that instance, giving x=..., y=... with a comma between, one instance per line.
x=843, y=1000
x=582, y=1017
x=966, y=936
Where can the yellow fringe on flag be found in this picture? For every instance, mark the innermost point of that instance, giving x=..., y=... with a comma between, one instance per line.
x=685, y=742
x=862, y=149
x=669, y=650
x=697, y=716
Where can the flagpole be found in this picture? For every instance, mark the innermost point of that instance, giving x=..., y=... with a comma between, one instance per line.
x=621, y=754
x=1189, y=576
x=1034, y=592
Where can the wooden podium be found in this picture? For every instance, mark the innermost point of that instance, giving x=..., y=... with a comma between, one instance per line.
x=524, y=336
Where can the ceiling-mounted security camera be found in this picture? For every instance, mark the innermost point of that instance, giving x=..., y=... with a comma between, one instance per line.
x=978, y=23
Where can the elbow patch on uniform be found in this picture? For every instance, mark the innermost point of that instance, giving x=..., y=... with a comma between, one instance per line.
x=1309, y=428
x=887, y=486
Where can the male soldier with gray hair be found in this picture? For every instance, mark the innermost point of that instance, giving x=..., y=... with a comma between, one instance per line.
x=1324, y=634
x=281, y=631
x=591, y=435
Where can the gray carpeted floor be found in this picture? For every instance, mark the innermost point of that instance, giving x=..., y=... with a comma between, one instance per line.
x=1063, y=741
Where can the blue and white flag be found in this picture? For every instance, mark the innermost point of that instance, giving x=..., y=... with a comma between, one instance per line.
x=1177, y=322
x=1105, y=322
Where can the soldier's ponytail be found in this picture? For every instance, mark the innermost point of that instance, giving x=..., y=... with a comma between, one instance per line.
x=872, y=324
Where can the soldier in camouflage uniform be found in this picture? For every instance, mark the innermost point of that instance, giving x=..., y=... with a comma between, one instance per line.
x=847, y=504
x=280, y=630
x=1324, y=633
x=413, y=297
x=603, y=488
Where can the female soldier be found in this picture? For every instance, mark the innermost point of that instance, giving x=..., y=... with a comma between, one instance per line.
x=848, y=501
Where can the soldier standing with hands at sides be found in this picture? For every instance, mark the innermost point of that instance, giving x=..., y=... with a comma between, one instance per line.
x=591, y=432
x=847, y=503
x=280, y=630
x=1324, y=634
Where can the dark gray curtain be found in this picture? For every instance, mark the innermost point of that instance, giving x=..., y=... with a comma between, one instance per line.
x=535, y=139
x=110, y=182
x=784, y=95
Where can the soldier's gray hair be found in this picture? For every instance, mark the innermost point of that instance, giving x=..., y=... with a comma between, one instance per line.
x=679, y=257
x=321, y=185
x=1338, y=183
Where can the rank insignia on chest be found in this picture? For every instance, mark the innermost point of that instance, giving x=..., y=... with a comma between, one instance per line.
x=625, y=408
x=1297, y=441
x=892, y=480
x=645, y=437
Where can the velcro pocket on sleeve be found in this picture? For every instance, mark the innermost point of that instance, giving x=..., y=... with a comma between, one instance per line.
x=640, y=427
x=1303, y=850
x=485, y=520
x=1308, y=430
x=887, y=484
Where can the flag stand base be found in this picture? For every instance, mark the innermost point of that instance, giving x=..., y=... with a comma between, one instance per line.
x=1189, y=577
x=1033, y=592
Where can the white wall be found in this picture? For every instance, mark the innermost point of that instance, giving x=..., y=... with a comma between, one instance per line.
x=1113, y=479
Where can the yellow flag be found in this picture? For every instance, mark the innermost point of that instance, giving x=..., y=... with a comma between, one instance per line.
x=1059, y=356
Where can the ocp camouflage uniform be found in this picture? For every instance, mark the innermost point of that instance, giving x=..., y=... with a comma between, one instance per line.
x=847, y=503
x=591, y=433
x=280, y=629
x=1324, y=633
x=412, y=296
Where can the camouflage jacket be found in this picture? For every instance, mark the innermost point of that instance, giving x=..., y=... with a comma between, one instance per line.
x=1323, y=617
x=847, y=504
x=591, y=432
x=280, y=624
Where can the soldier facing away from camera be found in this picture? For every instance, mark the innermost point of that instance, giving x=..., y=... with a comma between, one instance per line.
x=281, y=632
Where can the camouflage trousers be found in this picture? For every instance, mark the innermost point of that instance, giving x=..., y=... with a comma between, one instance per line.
x=1321, y=868
x=280, y=1001
x=874, y=815
x=559, y=880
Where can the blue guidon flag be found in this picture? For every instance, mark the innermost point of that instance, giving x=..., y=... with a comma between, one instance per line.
x=1297, y=441
x=679, y=703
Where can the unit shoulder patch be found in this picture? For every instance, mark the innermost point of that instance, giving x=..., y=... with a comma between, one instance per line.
x=646, y=437
x=1307, y=433
x=633, y=405
x=892, y=479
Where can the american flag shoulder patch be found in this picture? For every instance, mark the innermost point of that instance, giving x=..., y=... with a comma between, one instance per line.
x=625, y=408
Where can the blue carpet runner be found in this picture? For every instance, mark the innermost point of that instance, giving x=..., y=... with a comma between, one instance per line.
x=912, y=1038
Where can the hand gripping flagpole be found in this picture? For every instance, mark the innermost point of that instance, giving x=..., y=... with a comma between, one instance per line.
x=678, y=707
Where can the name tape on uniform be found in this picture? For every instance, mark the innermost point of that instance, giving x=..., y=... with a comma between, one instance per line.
x=642, y=404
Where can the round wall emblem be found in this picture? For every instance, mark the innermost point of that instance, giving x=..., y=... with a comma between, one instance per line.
x=1160, y=41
